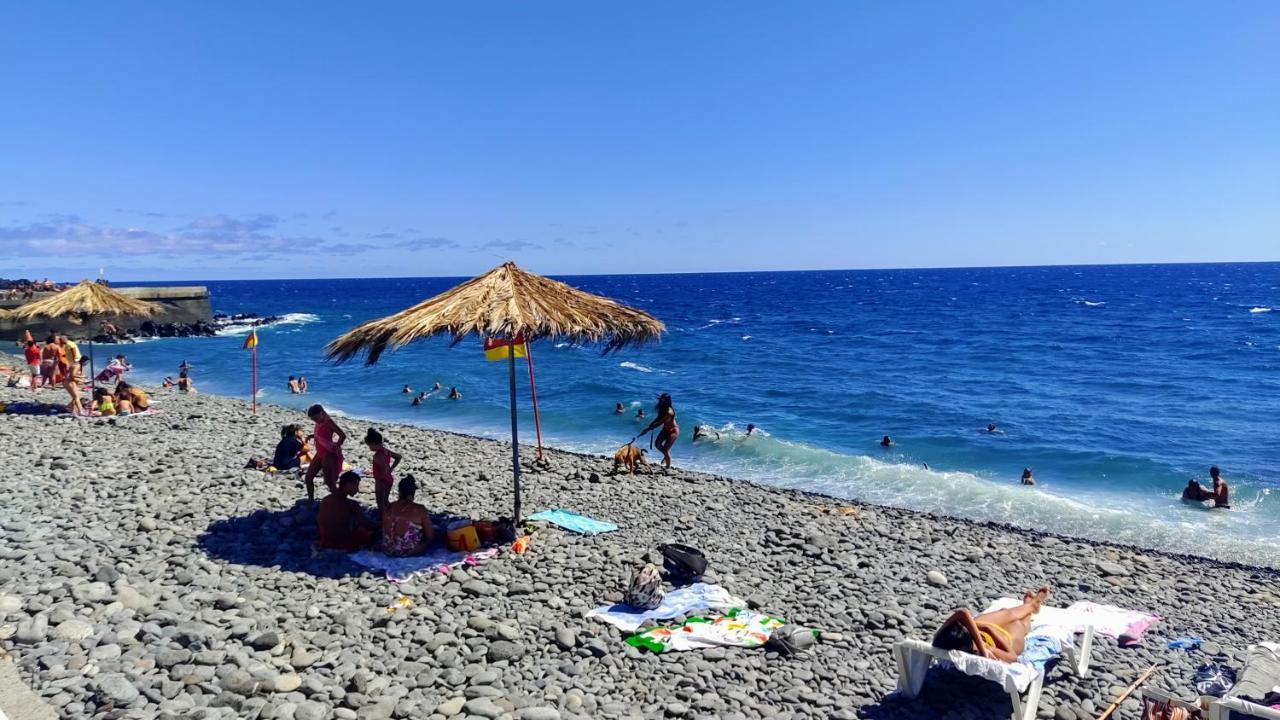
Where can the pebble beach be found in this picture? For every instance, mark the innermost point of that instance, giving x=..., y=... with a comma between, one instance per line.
x=144, y=573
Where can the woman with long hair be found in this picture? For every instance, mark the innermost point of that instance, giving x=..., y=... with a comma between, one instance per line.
x=664, y=415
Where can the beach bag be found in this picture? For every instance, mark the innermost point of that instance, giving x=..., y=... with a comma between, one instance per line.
x=791, y=640
x=645, y=591
x=1214, y=679
x=683, y=564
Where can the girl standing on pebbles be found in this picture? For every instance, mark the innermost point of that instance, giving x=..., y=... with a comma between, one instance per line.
x=328, y=458
x=384, y=463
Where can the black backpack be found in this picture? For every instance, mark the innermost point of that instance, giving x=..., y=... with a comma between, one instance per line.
x=683, y=564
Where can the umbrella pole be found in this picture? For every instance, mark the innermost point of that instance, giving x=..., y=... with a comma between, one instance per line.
x=515, y=435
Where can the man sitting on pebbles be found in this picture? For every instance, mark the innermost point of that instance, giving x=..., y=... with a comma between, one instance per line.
x=341, y=521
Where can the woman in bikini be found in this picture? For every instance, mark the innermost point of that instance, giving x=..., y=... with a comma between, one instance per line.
x=328, y=458
x=998, y=635
x=406, y=525
x=664, y=415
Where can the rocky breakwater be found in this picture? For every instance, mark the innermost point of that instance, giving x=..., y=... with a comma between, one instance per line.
x=143, y=573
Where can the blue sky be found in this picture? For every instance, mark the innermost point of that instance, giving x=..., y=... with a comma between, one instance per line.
x=305, y=139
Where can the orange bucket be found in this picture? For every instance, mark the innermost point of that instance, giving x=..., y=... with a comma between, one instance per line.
x=463, y=538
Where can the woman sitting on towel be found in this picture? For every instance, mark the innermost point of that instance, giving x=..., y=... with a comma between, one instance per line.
x=289, y=450
x=130, y=399
x=998, y=635
x=406, y=525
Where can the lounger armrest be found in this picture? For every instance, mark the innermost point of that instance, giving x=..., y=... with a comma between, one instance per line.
x=1235, y=708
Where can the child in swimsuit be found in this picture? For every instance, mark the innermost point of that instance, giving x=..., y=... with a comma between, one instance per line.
x=384, y=462
x=328, y=456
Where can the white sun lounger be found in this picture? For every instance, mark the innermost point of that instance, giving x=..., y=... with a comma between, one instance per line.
x=1023, y=682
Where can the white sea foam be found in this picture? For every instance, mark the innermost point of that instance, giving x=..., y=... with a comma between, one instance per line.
x=635, y=366
x=1091, y=303
x=1260, y=310
x=746, y=337
x=1155, y=521
x=296, y=319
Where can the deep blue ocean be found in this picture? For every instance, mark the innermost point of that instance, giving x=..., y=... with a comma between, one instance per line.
x=1116, y=384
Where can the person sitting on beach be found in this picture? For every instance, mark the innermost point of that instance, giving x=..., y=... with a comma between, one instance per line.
x=999, y=635
x=167, y=382
x=886, y=441
x=340, y=519
x=384, y=463
x=184, y=382
x=289, y=450
x=665, y=415
x=1027, y=477
x=293, y=385
x=104, y=403
x=1221, y=492
x=618, y=409
x=130, y=399
x=329, y=438
x=407, y=390
x=406, y=525
x=454, y=394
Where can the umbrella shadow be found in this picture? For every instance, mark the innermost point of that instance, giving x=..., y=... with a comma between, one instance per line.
x=945, y=691
x=282, y=539
x=30, y=407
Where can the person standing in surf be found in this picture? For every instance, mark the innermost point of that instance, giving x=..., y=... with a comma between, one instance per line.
x=1221, y=492
x=665, y=416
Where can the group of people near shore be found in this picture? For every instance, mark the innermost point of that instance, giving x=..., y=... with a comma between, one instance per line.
x=422, y=396
x=343, y=524
x=298, y=385
x=58, y=363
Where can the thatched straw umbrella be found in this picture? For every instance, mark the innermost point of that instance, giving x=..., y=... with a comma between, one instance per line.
x=86, y=300
x=505, y=302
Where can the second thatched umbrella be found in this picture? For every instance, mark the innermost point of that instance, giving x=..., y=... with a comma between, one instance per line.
x=85, y=301
x=507, y=303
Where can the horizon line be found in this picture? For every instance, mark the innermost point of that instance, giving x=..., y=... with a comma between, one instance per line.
x=736, y=272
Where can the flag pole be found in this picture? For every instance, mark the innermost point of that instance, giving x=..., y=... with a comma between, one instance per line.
x=533, y=390
x=515, y=436
x=255, y=378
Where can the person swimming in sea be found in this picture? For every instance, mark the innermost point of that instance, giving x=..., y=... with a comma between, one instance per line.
x=416, y=401
x=640, y=414
x=705, y=432
x=1027, y=477
x=750, y=429
x=993, y=430
x=886, y=441
x=618, y=409
x=454, y=394
x=407, y=390
x=1195, y=492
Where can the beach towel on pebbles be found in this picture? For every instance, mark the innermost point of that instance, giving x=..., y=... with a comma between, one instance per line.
x=574, y=522
x=697, y=597
x=402, y=569
x=736, y=628
x=1062, y=623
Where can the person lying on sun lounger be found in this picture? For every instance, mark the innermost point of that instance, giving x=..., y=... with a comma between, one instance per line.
x=998, y=635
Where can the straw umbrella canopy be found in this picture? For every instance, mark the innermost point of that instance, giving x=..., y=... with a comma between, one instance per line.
x=508, y=303
x=86, y=300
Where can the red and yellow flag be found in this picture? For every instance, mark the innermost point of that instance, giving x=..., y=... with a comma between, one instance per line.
x=496, y=348
x=251, y=341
